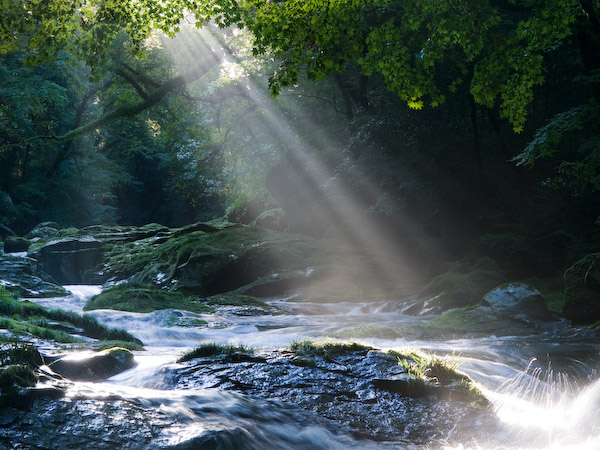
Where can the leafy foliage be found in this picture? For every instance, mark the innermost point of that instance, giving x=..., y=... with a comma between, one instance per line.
x=418, y=47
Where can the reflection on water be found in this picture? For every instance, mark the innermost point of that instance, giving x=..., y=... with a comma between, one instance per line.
x=543, y=388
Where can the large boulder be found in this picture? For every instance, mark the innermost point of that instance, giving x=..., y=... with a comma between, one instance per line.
x=23, y=276
x=349, y=384
x=518, y=301
x=15, y=244
x=512, y=309
x=71, y=260
x=582, y=290
x=455, y=289
x=44, y=231
x=98, y=366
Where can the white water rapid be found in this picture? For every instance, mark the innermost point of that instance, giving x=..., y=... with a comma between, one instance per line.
x=544, y=389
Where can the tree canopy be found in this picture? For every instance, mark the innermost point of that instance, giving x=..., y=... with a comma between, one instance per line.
x=422, y=49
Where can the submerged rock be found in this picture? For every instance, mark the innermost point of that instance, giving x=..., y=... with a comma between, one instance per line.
x=22, y=275
x=98, y=366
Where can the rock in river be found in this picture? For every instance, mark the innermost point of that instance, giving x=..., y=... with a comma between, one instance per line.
x=22, y=275
x=99, y=366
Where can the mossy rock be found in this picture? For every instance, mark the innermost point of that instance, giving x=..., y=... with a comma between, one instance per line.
x=479, y=321
x=21, y=354
x=48, y=225
x=212, y=263
x=95, y=367
x=582, y=290
x=206, y=260
x=42, y=233
x=15, y=376
x=16, y=244
x=370, y=331
x=518, y=301
x=138, y=298
x=485, y=320
x=453, y=289
x=242, y=301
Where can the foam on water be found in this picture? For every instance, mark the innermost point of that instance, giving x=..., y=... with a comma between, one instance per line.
x=538, y=408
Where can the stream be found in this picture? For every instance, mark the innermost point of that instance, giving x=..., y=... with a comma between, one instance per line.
x=544, y=388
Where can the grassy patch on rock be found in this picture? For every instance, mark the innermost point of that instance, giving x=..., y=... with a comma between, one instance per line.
x=437, y=372
x=212, y=349
x=139, y=298
x=24, y=317
x=325, y=350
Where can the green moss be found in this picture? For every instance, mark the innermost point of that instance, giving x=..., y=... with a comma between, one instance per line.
x=233, y=299
x=195, y=260
x=14, y=376
x=458, y=320
x=28, y=317
x=16, y=244
x=104, y=345
x=19, y=353
x=136, y=298
x=552, y=289
x=19, y=327
x=458, y=289
x=370, y=331
x=180, y=321
x=212, y=349
x=478, y=321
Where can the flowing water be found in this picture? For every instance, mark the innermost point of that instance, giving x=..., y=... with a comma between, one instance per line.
x=544, y=388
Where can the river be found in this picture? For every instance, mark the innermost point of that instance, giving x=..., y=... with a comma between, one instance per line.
x=544, y=388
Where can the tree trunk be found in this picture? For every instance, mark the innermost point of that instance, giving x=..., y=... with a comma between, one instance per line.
x=476, y=137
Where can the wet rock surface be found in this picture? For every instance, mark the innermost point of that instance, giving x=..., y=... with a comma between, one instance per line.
x=96, y=366
x=70, y=260
x=93, y=418
x=365, y=391
x=518, y=301
x=22, y=275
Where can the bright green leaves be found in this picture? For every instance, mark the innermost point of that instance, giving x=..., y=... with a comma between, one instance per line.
x=512, y=64
x=411, y=42
x=420, y=48
x=317, y=36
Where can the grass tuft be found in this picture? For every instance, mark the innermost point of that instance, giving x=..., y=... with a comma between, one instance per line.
x=212, y=349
